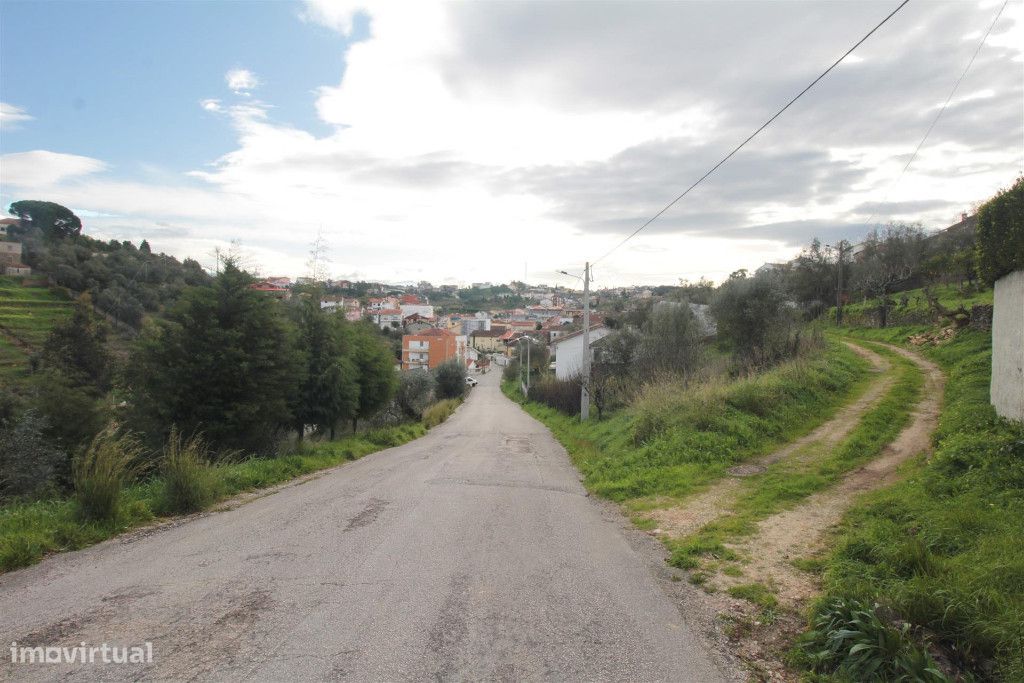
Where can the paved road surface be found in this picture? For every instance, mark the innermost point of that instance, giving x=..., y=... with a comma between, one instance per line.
x=470, y=554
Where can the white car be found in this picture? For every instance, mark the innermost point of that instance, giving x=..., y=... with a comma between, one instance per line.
x=472, y=381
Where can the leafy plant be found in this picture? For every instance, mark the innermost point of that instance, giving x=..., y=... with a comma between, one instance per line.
x=849, y=638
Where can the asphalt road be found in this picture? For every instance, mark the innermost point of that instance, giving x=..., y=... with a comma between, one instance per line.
x=470, y=554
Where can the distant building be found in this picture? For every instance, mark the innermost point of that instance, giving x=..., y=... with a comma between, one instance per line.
x=430, y=348
x=272, y=290
x=387, y=317
x=488, y=341
x=425, y=310
x=332, y=303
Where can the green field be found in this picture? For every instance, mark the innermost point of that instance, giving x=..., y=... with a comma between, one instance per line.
x=27, y=314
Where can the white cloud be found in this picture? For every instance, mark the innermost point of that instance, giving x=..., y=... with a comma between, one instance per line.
x=241, y=81
x=469, y=139
x=11, y=115
x=41, y=168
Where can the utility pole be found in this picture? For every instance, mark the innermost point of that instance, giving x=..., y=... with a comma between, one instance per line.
x=585, y=390
x=839, y=288
x=528, y=345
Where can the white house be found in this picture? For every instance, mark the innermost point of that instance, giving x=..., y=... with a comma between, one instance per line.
x=425, y=310
x=568, y=351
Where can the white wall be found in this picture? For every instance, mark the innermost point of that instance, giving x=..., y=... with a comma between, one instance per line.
x=1007, y=390
x=569, y=353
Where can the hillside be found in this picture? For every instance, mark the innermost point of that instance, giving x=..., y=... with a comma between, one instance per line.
x=27, y=314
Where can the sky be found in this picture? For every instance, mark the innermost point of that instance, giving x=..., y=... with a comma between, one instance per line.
x=491, y=141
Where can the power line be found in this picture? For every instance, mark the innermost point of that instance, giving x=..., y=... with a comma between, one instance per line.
x=942, y=110
x=754, y=134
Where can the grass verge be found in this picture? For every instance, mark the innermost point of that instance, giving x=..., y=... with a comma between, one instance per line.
x=661, y=450
x=787, y=483
x=941, y=550
x=29, y=531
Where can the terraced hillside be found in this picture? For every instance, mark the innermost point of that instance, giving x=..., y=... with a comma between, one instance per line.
x=26, y=316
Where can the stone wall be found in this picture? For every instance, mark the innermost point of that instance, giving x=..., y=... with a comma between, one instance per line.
x=1007, y=390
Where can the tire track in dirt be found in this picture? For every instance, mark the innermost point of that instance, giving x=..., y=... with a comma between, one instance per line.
x=801, y=531
x=716, y=501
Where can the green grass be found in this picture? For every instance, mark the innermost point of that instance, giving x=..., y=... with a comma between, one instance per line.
x=789, y=482
x=440, y=411
x=757, y=593
x=27, y=314
x=676, y=440
x=942, y=550
x=29, y=531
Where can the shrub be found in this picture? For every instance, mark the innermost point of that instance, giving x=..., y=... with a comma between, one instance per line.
x=28, y=460
x=848, y=638
x=562, y=395
x=190, y=483
x=101, y=471
x=1000, y=236
x=755, y=317
x=439, y=412
x=415, y=392
x=451, y=379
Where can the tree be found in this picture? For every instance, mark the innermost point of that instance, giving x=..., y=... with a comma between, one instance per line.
x=329, y=388
x=55, y=221
x=1000, y=236
x=451, y=379
x=755, y=316
x=375, y=366
x=223, y=362
x=415, y=392
x=28, y=460
x=670, y=340
x=888, y=259
x=77, y=347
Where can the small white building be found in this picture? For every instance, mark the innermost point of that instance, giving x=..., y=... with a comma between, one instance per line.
x=568, y=351
x=1007, y=387
x=425, y=310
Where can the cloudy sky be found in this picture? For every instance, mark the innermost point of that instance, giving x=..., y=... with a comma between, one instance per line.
x=463, y=142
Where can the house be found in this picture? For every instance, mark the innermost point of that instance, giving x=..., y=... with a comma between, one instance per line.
x=265, y=287
x=386, y=317
x=10, y=253
x=416, y=323
x=17, y=270
x=430, y=348
x=332, y=303
x=424, y=310
x=7, y=223
x=568, y=351
x=770, y=267
x=280, y=281
x=470, y=325
x=487, y=341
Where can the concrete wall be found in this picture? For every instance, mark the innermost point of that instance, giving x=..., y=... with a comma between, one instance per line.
x=1007, y=392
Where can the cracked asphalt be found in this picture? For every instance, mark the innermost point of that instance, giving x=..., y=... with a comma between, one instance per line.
x=472, y=553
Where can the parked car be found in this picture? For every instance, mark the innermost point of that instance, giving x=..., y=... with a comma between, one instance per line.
x=472, y=381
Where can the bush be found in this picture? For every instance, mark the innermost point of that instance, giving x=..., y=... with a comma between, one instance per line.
x=415, y=392
x=756, y=319
x=29, y=462
x=1000, y=236
x=848, y=638
x=439, y=412
x=562, y=395
x=451, y=379
x=102, y=470
x=190, y=483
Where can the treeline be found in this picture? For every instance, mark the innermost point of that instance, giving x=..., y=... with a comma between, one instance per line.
x=247, y=372
x=123, y=280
